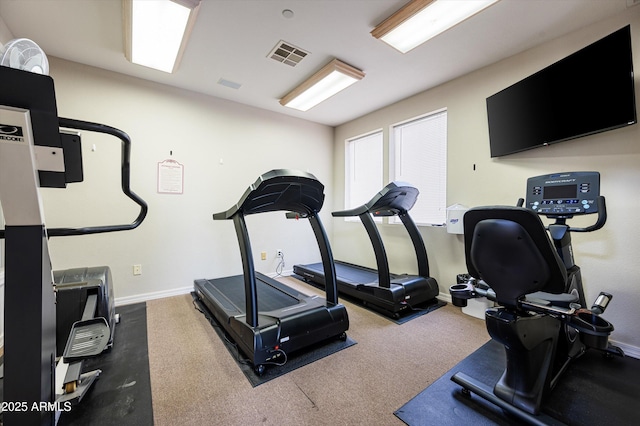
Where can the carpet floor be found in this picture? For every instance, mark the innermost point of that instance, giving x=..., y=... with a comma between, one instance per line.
x=196, y=381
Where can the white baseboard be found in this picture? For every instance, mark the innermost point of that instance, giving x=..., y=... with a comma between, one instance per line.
x=281, y=274
x=138, y=298
x=630, y=351
x=144, y=297
x=445, y=297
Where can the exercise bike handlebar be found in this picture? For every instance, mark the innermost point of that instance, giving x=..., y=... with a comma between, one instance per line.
x=125, y=180
x=602, y=215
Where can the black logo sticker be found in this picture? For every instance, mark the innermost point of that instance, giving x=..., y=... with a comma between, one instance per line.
x=11, y=133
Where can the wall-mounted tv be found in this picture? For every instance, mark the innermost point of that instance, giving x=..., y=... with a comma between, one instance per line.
x=587, y=92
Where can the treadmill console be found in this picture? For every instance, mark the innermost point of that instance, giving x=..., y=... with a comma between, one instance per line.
x=564, y=194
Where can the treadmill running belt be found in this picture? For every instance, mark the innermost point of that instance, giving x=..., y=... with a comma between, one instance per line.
x=348, y=274
x=354, y=275
x=269, y=297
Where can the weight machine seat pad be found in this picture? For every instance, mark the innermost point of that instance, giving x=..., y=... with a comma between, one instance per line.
x=508, y=247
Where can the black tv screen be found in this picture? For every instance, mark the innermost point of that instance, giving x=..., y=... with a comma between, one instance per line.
x=587, y=92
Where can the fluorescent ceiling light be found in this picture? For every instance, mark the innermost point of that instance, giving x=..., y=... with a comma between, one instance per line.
x=421, y=20
x=332, y=78
x=156, y=31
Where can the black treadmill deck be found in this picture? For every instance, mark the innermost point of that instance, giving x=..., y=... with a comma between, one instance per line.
x=405, y=291
x=287, y=320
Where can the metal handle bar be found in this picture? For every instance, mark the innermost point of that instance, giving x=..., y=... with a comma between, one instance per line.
x=602, y=217
x=125, y=178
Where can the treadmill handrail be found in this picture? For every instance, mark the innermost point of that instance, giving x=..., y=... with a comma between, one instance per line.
x=249, y=272
x=382, y=262
x=418, y=244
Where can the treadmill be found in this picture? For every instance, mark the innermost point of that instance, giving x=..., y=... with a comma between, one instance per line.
x=387, y=293
x=265, y=318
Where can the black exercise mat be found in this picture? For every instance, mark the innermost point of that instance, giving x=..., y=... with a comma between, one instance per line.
x=122, y=394
x=594, y=390
x=416, y=311
x=405, y=316
x=295, y=360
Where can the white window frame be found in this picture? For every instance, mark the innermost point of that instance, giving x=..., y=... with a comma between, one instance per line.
x=428, y=168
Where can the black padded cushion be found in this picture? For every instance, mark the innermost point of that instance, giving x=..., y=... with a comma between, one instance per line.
x=508, y=248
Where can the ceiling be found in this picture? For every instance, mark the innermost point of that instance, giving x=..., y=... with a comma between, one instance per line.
x=232, y=39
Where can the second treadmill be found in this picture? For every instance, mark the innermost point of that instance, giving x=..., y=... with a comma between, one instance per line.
x=264, y=317
x=388, y=293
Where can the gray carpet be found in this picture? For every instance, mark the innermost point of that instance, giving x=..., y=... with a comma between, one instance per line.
x=195, y=381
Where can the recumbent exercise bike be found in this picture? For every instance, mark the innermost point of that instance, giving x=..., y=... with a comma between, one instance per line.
x=528, y=270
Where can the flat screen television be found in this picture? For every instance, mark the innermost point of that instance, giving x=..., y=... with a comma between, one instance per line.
x=588, y=92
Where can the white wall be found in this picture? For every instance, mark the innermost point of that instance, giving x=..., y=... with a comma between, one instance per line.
x=5, y=33
x=178, y=241
x=608, y=257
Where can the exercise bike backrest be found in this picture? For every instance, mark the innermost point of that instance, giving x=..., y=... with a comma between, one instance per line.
x=508, y=250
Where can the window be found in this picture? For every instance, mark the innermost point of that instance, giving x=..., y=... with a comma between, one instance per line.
x=419, y=156
x=363, y=174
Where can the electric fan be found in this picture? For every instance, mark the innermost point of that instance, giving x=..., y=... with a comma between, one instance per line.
x=24, y=54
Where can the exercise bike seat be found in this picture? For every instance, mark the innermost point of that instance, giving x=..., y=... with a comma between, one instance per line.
x=509, y=248
x=542, y=297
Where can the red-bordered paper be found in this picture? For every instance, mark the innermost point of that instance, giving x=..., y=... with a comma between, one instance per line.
x=170, y=177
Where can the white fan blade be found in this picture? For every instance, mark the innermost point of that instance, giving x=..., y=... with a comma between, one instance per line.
x=34, y=64
x=14, y=58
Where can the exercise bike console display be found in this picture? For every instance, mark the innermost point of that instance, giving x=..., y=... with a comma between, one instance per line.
x=564, y=194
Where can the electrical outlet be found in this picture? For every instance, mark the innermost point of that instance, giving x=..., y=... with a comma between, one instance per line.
x=263, y=255
x=279, y=253
x=137, y=269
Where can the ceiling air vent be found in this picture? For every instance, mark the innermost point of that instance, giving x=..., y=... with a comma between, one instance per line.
x=287, y=53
